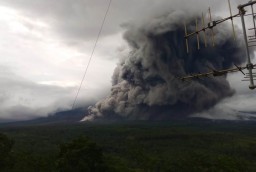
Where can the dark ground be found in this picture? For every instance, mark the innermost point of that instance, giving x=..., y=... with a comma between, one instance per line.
x=180, y=145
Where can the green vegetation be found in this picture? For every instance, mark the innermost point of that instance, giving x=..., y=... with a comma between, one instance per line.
x=81, y=155
x=132, y=147
x=5, y=152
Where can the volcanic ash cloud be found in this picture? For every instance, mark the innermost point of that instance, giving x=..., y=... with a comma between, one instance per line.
x=144, y=82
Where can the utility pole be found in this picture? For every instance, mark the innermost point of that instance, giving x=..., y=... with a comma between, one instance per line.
x=250, y=76
x=249, y=63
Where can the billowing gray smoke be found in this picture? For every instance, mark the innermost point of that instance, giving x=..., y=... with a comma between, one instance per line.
x=144, y=82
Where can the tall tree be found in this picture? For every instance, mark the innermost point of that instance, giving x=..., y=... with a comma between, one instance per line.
x=81, y=155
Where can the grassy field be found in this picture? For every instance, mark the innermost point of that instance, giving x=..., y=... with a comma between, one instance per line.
x=186, y=145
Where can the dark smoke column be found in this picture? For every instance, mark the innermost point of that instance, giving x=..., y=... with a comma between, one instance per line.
x=144, y=83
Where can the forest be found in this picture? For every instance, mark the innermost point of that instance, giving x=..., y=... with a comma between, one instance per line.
x=179, y=145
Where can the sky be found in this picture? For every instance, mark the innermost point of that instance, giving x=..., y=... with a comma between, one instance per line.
x=45, y=46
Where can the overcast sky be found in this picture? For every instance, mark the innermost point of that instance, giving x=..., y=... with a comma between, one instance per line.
x=46, y=44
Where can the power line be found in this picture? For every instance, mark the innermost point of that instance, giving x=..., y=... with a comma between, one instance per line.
x=88, y=64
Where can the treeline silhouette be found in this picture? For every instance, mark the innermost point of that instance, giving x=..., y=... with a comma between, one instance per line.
x=131, y=147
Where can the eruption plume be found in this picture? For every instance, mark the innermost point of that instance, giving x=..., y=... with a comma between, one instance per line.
x=144, y=82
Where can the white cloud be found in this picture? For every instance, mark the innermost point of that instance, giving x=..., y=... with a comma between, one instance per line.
x=46, y=45
x=45, y=71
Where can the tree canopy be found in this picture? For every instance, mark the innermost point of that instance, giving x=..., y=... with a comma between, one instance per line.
x=81, y=155
x=6, y=145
